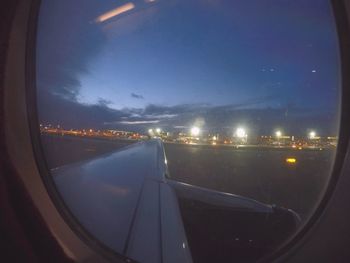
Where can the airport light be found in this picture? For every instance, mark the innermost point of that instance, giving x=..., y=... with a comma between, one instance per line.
x=278, y=134
x=241, y=133
x=291, y=160
x=150, y=131
x=195, y=131
x=158, y=130
x=312, y=135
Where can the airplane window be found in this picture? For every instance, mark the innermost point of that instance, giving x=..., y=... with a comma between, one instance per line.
x=189, y=131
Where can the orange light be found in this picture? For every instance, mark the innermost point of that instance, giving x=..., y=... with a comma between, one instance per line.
x=115, y=12
x=291, y=160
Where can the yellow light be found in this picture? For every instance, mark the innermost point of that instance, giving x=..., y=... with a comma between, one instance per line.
x=213, y=143
x=291, y=160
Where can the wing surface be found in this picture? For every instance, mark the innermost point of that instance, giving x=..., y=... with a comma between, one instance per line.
x=122, y=198
x=128, y=201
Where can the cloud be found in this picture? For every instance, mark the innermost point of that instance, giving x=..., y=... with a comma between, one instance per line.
x=161, y=116
x=104, y=102
x=136, y=96
x=139, y=122
x=66, y=45
x=56, y=109
x=223, y=119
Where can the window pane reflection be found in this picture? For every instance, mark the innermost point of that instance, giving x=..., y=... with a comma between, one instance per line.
x=195, y=130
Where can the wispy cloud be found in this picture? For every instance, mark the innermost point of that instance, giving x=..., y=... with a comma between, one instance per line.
x=104, y=102
x=136, y=96
x=139, y=122
x=160, y=116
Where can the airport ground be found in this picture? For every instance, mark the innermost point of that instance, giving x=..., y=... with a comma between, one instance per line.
x=259, y=173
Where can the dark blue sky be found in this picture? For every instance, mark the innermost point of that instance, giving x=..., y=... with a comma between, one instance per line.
x=169, y=63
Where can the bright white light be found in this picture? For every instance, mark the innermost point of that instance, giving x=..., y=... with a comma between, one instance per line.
x=240, y=133
x=214, y=138
x=313, y=71
x=150, y=131
x=312, y=135
x=158, y=130
x=195, y=131
x=278, y=133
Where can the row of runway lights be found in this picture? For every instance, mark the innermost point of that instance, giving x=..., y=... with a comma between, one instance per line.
x=240, y=132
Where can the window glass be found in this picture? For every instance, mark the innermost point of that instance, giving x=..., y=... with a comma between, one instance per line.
x=204, y=129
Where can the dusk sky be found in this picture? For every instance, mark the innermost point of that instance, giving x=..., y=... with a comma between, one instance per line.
x=172, y=64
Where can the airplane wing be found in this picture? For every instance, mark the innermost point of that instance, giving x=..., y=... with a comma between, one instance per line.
x=128, y=201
